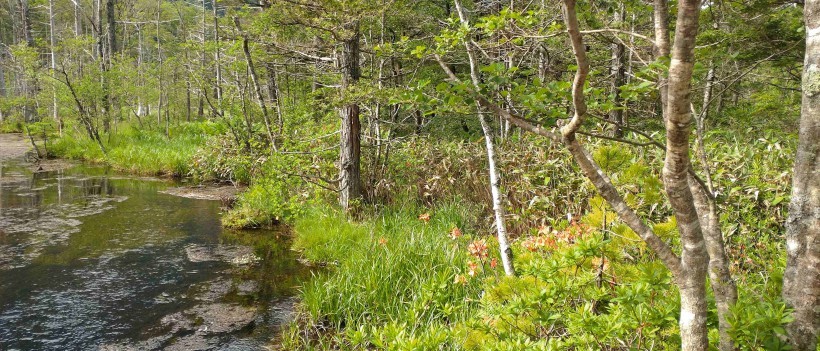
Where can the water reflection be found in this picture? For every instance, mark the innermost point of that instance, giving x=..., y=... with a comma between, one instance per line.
x=89, y=260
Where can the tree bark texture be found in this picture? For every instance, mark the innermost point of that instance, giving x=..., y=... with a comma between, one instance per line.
x=350, y=188
x=694, y=257
x=801, y=281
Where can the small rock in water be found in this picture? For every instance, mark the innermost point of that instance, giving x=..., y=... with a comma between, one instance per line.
x=247, y=287
x=214, y=290
x=235, y=255
x=164, y=298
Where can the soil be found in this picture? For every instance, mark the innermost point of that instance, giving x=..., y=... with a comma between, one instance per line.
x=225, y=193
x=13, y=147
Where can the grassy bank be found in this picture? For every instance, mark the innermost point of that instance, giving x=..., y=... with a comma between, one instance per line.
x=415, y=268
x=141, y=151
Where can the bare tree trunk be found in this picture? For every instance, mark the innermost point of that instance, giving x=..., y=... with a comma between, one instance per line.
x=26, y=85
x=160, y=81
x=498, y=206
x=112, y=30
x=618, y=74
x=78, y=20
x=661, y=49
x=109, y=56
x=694, y=258
x=218, y=60
x=96, y=33
x=25, y=22
x=801, y=281
x=723, y=285
x=54, y=107
x=202, y=60
x=350, y=146
x=140, y=78
x=274, y=97
x=257, y=88
x=3, y=92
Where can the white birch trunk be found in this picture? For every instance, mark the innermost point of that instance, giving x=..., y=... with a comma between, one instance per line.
x=54, y=107
x=498, y=207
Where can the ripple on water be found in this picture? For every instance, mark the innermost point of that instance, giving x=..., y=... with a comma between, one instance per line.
x=28, y=231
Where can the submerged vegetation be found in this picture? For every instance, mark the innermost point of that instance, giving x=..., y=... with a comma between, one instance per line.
x=468, y=175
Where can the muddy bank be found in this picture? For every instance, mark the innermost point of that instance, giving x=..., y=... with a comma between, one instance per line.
x=219, y=192
x=13, y=147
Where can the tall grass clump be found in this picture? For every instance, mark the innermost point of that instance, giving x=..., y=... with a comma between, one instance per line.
x=141, y=151
x=398, y=270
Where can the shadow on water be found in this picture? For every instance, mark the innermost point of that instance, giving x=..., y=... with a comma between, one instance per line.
x=89, y=261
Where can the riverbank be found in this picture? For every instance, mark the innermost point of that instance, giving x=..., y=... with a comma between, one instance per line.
x=414, y=269
x=13, y=146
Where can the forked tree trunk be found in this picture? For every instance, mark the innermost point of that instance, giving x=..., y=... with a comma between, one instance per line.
x=350, y=189
x=801, y=281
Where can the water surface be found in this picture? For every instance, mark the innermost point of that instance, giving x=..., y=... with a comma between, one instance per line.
x=91, y=260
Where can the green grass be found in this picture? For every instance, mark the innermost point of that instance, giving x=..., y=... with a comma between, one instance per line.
x=391, y=269
x=141, y=151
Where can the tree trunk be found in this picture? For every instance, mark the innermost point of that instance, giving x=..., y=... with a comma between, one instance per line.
x=618, y=72
x=26, y=86
x=723, y=285
x=160, y=82
x=203, y=61
x=274, y=97
x=141, y=80
x=694, y=257
x=25, y=22
x=78, y=20
x=801, y=281
x=218, y=60
x=112, y=30
x=257, y=88
x=2, y=81
x=661, y=49
x=350, y=146
x=498, y=206
x=54, y=107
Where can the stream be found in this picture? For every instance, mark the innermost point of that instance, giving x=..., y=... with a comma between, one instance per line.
x=91, y=260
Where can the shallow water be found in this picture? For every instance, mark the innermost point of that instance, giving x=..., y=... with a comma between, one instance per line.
x=89, y=261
